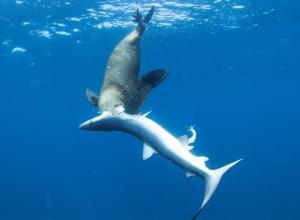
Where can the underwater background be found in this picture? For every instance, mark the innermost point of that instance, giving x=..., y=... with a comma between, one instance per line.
x=233, y=73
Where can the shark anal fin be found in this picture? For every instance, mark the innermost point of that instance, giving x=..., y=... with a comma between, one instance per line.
x=92, y=97
x=148, y=151
x=154, y=77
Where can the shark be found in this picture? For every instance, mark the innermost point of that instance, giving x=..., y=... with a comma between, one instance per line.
x=158, y=140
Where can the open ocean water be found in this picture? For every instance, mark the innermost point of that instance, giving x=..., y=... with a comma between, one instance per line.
x=233, y=73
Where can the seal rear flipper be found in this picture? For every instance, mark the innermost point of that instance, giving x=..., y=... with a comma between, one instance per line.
x=154, y=78
x=148, y=16
x=92, y=97
x=142, y=21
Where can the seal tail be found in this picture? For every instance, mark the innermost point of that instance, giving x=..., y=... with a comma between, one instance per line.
x=142, y=21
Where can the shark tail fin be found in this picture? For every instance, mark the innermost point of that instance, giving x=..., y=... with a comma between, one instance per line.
x=142, y=21
x=212, y=181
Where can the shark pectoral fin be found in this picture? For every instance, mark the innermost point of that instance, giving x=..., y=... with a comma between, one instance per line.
x=188, y=174
x=154, y=78
x=92, y=97
x=184, y=139
x=146, y=114
x=148, y=151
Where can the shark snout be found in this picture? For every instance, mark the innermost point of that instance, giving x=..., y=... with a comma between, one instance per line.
x=86, y=125
x=99, y=123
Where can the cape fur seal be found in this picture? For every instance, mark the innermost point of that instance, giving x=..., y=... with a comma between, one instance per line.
x=121, y=86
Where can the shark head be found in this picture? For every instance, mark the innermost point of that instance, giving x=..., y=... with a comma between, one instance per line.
x=106, y=121
x=99, y=123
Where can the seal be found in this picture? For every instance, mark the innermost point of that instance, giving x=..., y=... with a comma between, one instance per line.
x=121, y=86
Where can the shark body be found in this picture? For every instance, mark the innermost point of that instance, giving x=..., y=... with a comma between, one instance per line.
x=158, y=140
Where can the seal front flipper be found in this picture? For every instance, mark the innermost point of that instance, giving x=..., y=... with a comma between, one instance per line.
x=92, y=97
x=154, y=78
x=145, y=84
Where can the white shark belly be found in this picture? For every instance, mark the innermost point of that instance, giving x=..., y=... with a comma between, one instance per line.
x=165, y=144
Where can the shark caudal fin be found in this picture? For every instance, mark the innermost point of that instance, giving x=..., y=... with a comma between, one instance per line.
x=142, y=21
x=212, y=181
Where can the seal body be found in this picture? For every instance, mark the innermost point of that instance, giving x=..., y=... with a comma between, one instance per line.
x=121, y=86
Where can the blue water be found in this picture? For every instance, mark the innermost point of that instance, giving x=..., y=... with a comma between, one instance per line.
x=234, y=74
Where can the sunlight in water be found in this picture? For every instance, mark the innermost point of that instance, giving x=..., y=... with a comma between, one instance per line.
x=208, y=15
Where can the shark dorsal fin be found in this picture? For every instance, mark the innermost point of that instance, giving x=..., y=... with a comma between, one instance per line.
x=148, y=151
